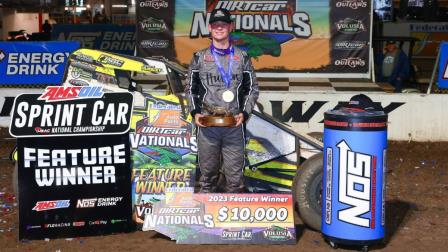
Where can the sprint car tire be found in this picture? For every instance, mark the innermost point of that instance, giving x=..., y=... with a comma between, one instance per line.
x=307, y=191
x=15, y=181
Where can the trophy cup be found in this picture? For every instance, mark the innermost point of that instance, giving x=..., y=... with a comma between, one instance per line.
x=218, y=116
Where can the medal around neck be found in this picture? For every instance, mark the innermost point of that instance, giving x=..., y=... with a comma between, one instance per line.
x=228, y=96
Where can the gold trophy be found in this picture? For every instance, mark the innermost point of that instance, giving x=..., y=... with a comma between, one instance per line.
x=218, y=117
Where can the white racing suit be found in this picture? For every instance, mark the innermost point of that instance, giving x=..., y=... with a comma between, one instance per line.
x=205, y=85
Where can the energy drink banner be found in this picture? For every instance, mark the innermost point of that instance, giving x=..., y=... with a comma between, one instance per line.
x=34, y=63
x=73, y=185
x=163, y=152
x=283, y=36
x=223, y=218
x=105, y=37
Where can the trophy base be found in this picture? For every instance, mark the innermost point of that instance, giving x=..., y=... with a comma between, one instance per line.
x=218, y=121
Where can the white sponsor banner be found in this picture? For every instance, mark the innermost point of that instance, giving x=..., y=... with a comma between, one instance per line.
x=7, y=96
x=416, y=117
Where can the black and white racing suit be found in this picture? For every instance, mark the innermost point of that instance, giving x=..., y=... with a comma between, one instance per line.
x=206, y=86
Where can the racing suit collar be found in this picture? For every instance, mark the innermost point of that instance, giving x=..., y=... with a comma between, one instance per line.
x=221, y=52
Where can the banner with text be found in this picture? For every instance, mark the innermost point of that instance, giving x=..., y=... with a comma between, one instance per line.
x=105, y=37
x=155, y=28
x=212, y=218
x=34, y=63
x=408, y=114
x=163, y=152
x=68, y=111
x=283, y=36
x=74, y=186
x=91, y=174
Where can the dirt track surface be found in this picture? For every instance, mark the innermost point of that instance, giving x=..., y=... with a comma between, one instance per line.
x=417, y=216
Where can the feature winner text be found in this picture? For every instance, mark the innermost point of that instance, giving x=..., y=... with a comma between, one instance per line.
x=155, y=181
x=61, y=167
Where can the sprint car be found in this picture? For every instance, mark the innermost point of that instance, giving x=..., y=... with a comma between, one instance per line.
x=278, y=159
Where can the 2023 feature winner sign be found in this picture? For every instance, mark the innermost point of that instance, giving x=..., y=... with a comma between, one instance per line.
x=223, y=218
x=66, y=111
x=76, y=181
x=74, y=186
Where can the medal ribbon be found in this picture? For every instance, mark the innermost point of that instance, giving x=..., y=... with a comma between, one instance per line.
x=226, y=77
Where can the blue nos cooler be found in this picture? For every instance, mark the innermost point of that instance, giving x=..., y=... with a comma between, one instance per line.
x=353, y=197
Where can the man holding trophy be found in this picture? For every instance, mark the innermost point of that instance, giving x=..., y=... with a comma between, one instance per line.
x=223, y=90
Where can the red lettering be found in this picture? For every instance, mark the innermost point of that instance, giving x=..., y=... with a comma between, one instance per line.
x=60, y=93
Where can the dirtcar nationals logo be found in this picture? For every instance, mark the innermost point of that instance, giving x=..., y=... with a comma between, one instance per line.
x=356, y=173
x=257, y=16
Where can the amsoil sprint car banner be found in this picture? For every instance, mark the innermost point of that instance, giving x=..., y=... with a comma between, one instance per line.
x=163, y=152
x=68, y=111
x=34, y=63
x=283, y=36
x=223, y=218
x=74, y=186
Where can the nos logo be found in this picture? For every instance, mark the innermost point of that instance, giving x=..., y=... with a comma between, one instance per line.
x=356, y=173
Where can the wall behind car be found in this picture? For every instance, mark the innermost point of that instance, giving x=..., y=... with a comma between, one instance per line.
x=13, y=21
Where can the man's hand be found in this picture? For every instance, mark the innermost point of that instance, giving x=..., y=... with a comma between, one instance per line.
x=197, y=119
x=239, y=119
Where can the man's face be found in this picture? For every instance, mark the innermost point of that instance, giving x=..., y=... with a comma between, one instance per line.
x=220, y=30
x=391, y=47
